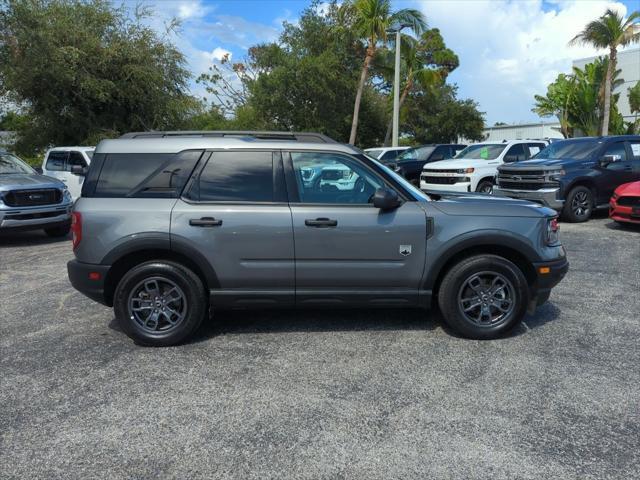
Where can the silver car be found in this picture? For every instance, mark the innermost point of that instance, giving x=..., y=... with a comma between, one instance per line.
x=174, y=226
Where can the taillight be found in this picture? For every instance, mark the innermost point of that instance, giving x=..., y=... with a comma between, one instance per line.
x=76, y=228
x=552, y=231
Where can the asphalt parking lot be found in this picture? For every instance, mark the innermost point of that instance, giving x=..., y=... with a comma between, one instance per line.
x=347, y=394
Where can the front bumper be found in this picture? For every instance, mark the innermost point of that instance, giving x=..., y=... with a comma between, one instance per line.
x=33, y=218
x=461, y=187
x=84, y=279
x=546, y=196
x=623, y=213
x=554, y=272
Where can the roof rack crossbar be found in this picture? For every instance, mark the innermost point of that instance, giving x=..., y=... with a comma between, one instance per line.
x=263, y=135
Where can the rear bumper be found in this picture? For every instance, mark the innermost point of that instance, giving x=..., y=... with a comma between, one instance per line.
x=547, y=197
x=92, y=286
x=544, y=282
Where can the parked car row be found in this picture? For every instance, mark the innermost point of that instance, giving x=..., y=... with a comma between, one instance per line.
x=574, y=177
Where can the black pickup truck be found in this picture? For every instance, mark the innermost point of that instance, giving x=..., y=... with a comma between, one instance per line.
x=573, y=176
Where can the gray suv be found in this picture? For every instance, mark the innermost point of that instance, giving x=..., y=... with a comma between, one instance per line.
x=30, y=201
x=173, y=226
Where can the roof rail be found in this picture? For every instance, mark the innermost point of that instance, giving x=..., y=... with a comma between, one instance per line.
x=262, y=135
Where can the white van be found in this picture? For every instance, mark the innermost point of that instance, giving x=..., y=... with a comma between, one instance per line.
x=474, y=169
x=58, y=161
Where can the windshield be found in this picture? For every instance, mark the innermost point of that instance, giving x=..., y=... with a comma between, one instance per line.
x=482, y=151
x=420, y=153
x=576, y=149
x=10, y=164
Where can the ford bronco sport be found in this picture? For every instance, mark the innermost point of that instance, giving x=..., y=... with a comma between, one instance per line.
x=172, y=226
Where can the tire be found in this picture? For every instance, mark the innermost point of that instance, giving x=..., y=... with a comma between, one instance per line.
x=578, y=205
x=458, y=290
x=185, y=303
x=485, y=186
x=56, y=232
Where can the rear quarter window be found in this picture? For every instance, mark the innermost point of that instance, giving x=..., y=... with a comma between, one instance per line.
x=145, y=175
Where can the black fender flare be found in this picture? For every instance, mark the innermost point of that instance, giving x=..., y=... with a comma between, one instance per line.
x=478, y=239
x=164, y=242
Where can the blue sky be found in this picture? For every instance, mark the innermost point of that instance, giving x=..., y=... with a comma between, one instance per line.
x=509, y=49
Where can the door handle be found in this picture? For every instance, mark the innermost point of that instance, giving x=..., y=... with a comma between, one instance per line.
x=321, y=222
x=205, y=222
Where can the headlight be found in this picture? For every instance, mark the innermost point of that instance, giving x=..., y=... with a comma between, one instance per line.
x=66, y=194
x=553, y=230
x=466, y=170
x=557, y=175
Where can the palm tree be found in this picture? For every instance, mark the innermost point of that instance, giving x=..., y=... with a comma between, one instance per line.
x=610, y=31
x=425, y=63
x=371, y=20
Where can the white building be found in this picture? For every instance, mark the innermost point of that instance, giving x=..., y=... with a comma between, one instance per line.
x=522, y=131
x=629, y=64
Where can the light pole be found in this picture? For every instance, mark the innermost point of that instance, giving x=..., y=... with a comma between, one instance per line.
x=396, y=86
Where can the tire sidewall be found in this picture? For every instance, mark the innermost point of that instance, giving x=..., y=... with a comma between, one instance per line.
x=482, y=184
x=185, y=279
x=448, y=295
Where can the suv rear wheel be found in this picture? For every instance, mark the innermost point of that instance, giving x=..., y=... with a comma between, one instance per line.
x=160, y=303
x=483, y=296
x=579, y=205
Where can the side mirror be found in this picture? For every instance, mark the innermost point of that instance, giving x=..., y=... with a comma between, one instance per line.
x=510, y=158
x=436, y=158
x=607, y=159
x=38, y=170
x=386, y=199
x=79, y=170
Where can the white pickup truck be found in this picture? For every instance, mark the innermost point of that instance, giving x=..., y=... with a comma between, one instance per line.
x=474, y=169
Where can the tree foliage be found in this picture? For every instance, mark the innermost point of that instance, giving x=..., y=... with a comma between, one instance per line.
x=578, y=100
x=610, y=31
x=84, y=70
x=439, y=117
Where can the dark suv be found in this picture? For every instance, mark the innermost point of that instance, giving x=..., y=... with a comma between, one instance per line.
x=410, y=162
x=172, y=226
x=574, y=176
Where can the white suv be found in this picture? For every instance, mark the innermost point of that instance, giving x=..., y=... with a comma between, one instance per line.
x=474, y=169
x=58, y=163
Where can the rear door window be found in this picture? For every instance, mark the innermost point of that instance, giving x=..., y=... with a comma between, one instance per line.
x=236, y=177
x=516, y=152
x=534, y=148
x=75, y=158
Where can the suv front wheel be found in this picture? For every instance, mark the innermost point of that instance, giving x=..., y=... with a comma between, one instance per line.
x=483, y=296
x=160, y=303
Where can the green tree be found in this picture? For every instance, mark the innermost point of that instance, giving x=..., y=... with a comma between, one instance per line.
x=305, y=81
x=84, y=70
x=440, y=117
x=634, y=99
x=370, y=20
x=610, y=31
x=556, y=102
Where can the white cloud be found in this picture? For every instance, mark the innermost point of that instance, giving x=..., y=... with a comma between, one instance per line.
x=511, y=50
x=219, y=53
